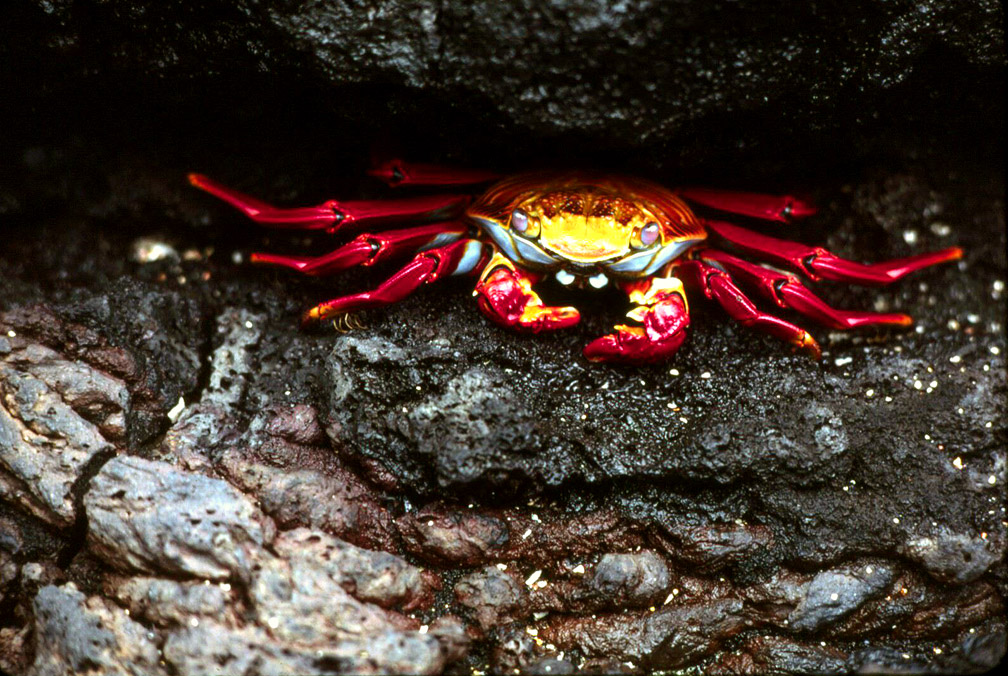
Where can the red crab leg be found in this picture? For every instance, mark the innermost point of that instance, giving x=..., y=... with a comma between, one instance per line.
x=718, y=286
x=397, y=172
x=663, y=316
x=505, y=295
x=458, y=258
x=769, y=207
x=332, y=215
x=369, y=248
x=818, y=263
x=788, y=292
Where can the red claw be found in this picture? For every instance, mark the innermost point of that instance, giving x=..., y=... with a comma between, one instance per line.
x=662, y=331
x=507, y=298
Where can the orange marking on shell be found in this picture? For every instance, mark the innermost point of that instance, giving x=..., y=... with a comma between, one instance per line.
x=627, y=196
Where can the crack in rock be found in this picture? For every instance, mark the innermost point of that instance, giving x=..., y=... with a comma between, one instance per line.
x=56, y=416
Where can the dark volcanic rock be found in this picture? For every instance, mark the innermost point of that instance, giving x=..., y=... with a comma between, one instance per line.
x=739, y=509
x=648, y=75
x=835, y=593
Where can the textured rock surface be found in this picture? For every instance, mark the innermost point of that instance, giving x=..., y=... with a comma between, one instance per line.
x=81, y=635
x=182, y=470
x=642, y=74
x=153, y=518
x=56, y=416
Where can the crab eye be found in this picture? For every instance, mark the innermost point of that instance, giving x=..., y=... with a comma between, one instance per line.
x=649, y=233
x=519, y=220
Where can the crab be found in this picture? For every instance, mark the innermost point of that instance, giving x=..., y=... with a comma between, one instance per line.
x=588, y=230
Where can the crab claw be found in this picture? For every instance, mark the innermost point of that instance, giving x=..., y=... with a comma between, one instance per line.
x=506, y=297
x=661, y=331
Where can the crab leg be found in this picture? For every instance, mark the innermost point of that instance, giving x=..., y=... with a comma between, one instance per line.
x=768, y=207
x=369, y=248
x=458, y=258
x=663, y=316
x=818, y=263
x=505, y=295
x=333, y=215
x=718, y=286
x=397, y=172
x=789, y=292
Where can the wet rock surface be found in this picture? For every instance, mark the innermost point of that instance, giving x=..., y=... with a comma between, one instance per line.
x=189, y=482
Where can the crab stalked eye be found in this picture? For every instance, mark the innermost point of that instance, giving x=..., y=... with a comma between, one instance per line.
x=519, y=220
x=649, y=233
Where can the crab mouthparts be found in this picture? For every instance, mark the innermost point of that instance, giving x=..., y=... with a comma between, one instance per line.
x=595, y=281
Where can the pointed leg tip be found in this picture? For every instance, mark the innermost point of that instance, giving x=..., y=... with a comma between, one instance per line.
x=808, y=343
x=954, y=253
x=198, y=180
x=311, y=318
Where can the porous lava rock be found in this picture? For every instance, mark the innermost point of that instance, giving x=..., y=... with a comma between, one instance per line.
x=190, y=481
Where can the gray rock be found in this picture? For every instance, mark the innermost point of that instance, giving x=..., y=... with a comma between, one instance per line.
x=56, y=416
x=203, y=425
x=492, y=596
x=452, y=635
x=253, y=650
x=302, y=603
x=837, y=592
x=637, y=579
x=148, y=333
x=151, y=517
x=238, y=331
x=81, y=635
x=168, y=603
x=984, y=650
x=376, y=577
x=955, y=557
x=515, y=649
x=285, y=459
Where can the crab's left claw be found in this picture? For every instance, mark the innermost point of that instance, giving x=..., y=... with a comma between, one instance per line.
x=662, y=317
x=505, y=295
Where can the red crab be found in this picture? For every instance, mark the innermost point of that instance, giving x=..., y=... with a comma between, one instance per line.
x=586, y=229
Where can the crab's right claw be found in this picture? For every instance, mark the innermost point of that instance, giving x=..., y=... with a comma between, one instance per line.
x=506, y=296
x=661, y=331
